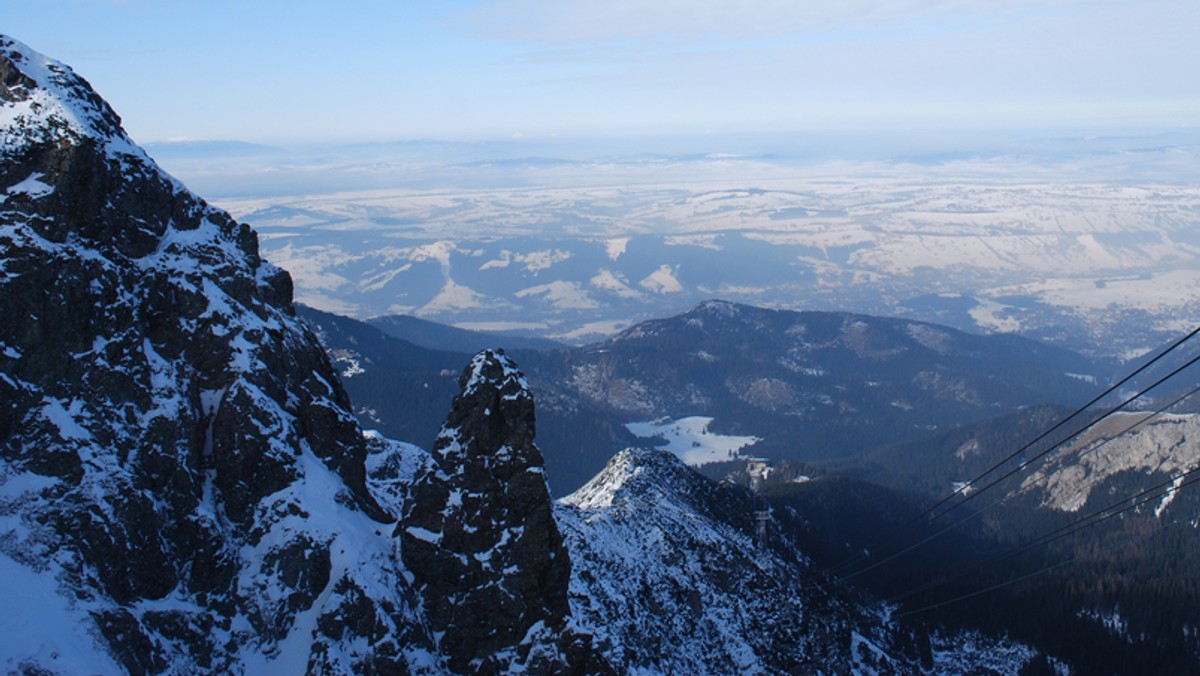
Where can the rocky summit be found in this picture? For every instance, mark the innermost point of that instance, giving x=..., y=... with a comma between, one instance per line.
x=675, y=576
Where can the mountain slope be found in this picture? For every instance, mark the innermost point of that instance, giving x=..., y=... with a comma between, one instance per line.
x=178, y=460
x=1119, y=596
x=808, y=385
x=793, y=363
x=676, y=576
x=676, y=587
x=399, y=388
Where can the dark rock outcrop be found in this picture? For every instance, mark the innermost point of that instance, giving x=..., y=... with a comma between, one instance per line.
x=478, y=532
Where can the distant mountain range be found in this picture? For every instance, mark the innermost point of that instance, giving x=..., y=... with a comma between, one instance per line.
x=808, y=386
x=434, y=336
x=185, y=149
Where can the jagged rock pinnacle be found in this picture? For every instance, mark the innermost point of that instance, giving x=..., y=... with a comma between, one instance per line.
x=478, y=534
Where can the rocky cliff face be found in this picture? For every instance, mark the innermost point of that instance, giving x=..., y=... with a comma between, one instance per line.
x=1147, y=450
x=176, y=453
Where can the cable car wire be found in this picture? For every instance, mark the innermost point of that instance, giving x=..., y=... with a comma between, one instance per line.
x=1156, y=492
x=974, y=515
x=972, y=495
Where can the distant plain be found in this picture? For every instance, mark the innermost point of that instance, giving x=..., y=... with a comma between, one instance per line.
x=1087, y=242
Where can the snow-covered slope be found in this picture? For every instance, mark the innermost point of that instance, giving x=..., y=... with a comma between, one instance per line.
x=678, y=574
x=674, y=585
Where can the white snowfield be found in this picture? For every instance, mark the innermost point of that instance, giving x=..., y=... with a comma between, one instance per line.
x=690, y=440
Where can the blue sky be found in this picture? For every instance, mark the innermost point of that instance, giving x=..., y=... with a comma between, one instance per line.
x=297, y=71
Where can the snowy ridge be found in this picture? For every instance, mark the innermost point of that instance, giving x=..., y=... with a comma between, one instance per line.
x=391, y=466
x=672, y=587
x=640, y=475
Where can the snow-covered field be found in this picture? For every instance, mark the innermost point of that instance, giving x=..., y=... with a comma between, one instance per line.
x=690, y=440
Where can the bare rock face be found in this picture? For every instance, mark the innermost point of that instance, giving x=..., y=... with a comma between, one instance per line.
x=176, y=453
x=479, y=535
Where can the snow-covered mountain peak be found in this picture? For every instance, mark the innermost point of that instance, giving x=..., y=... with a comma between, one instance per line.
x=72, y=178
x=493, y=416
x=180, y=468
x=647, y=480
x=649, y=537
x=637, y=474
x=494, y=369
x=44, y=101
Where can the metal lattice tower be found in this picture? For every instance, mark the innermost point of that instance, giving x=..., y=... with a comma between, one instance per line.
x=761, y=517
